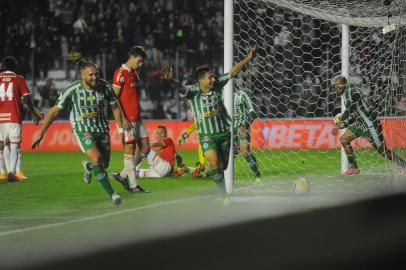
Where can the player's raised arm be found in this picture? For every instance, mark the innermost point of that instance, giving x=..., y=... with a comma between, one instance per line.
x=167, y=75
x=49, y=118
x=239, y=66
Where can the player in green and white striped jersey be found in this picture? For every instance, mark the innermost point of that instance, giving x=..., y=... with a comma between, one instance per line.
x=361, y=122
x=210, y=115
x=244, y=115
x=88, y=98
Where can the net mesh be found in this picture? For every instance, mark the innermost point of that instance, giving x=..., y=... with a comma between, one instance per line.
x=290, y=85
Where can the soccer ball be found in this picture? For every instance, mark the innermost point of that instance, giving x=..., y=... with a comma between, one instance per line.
x=301, y=185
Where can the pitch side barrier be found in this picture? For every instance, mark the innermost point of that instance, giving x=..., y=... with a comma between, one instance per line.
x=304, y=133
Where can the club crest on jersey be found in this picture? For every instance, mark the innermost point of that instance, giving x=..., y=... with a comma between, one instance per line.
x=88, y=141
x=205, y=145
x=91, y=98
x=205, y=139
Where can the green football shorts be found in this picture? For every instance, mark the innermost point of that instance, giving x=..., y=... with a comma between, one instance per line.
x=219, y=142
x=90, y=140
x=374, y=133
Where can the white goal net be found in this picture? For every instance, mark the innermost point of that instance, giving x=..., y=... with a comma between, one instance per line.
x=290, y=84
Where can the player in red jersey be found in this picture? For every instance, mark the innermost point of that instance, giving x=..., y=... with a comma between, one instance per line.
x=13, y=92
x=125, y=84
x=160, y=163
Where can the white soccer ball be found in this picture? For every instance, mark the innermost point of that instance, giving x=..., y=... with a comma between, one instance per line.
x=301, y=185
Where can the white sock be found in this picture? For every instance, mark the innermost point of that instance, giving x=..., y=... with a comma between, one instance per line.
x=130, y=168
x=13, y=157
x=123, y=173
x=19, y=161
x=6, y=156
x=2, y=164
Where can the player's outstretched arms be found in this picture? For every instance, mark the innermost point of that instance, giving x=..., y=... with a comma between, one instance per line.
x=167, y=75
x=49, y=118
x=239, y=66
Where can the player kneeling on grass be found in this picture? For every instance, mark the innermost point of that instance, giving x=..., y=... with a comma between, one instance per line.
x=88, y=98
x=201, y=168
x=160, y=162
x=210, y=115
x=360, y=121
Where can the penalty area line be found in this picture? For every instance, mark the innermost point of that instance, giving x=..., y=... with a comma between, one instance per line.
x=51, y=225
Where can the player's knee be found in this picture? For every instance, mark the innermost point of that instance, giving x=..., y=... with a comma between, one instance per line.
x=344, y=140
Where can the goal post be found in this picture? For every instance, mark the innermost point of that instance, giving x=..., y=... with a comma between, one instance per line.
x=301, y=46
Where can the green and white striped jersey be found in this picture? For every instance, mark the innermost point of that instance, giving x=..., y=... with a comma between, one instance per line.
x=88, y=106
x=355, y=105
x=208, y=109
x=243, y=108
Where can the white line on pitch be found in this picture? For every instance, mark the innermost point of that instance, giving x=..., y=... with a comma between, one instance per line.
x=104, y=215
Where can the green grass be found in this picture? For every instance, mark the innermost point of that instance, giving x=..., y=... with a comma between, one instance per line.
x=54, y=204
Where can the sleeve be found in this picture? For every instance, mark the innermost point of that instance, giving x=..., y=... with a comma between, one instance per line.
x=22, y=87
x=111, y=96
x=190, y=129
x=248, y=103
x=222, y=81
x=64, y=98
x=118, y=79
x=190, y=92
x=168, y=142
x=356, y=98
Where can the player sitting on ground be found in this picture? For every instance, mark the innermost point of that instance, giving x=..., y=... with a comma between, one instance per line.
x=160, y=163
x=360, y=121
x=210, y=115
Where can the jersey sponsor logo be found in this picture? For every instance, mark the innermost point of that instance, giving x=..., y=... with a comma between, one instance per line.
x=88, y=141
x=211, y=113
x=205, y=145
x=91, y=98
x=89, y=114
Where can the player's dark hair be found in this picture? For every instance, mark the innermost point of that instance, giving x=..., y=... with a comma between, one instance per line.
x=201, y=71
x=9, y=63
x=137, y=51
x=164, y=128
x=84, y=63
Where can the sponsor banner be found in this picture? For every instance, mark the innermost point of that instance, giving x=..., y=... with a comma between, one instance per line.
x=271, y=134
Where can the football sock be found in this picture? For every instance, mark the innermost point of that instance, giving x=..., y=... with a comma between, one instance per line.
x=2, y=164
x=13, y=157
x=6, y=156
x=89, y=166
x=101, y=175
x=252, y=162
x=351, y=161
x=123, y=173
x=19, y=161
x=130, y=169
x=218, y=178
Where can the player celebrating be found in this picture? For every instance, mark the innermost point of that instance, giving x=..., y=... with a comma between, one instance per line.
x=89, y=97
x=210, y=115
x=125, y=84
x=244, y=115
x=361, y=122
x=13, y=89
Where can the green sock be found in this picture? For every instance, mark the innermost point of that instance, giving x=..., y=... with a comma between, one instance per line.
x=352, y=162
x=89, y=166
x=101, y=175
x=252, y=162
x=218, y=178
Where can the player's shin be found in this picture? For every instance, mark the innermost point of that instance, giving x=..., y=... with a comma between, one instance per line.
x=13, y=158
x=101, y=175
x=218, y=178
x=19, y=161
x=252, y=162
x=129, y=166
x=6, y=156
x=2, y=164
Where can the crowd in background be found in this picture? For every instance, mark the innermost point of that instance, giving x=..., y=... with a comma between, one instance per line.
x=291, y=77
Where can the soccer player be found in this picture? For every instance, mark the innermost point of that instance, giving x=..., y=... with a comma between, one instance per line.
x=201, y=164
x=210, y=115
x=88, y=98
x=244, y=115
x=13, y=89
x=360, y=121
x=125, y=84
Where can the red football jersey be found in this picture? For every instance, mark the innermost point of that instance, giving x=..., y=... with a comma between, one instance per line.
x=128, y=80
x=168, y=152
x=12, y=88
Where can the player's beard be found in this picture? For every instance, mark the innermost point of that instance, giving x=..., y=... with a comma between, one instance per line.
x=92, y=83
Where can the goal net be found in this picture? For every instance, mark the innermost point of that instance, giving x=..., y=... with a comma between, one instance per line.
x=290, y=82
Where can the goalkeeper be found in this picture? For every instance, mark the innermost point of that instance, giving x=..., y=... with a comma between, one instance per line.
x=360, y=121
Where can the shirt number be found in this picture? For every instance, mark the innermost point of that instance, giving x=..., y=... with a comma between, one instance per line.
x=6, y=93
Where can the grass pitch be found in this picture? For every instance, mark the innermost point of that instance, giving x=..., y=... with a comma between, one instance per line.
x=54, y=213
